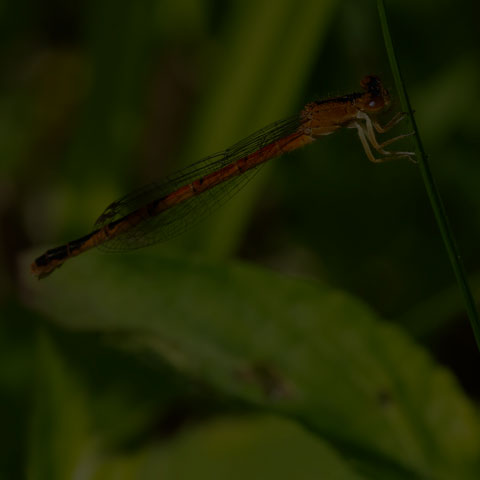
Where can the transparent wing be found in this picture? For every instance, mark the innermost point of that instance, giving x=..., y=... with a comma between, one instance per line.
x=179, y=218
x=176, y=220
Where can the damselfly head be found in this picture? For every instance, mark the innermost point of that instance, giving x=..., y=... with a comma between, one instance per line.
x=376, y=97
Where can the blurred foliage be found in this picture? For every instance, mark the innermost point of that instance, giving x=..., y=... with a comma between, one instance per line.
x=185, y=361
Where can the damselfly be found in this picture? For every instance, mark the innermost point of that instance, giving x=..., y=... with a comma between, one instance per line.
x=160, y=211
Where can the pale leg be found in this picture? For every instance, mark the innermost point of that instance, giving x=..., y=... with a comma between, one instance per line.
x=390, y=124
x=365, y=136
x=371, y=133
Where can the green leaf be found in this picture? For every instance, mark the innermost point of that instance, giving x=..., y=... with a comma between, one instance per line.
x=280, y=344
x=59, y=439
x=233, y=448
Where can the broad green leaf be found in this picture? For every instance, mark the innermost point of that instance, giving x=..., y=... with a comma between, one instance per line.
x=233, y=448
x=60, y=431
x=280, y=344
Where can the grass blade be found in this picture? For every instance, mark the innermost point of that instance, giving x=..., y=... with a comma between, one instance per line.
x=432, y=190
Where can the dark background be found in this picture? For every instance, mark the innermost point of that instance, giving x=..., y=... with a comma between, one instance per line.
x=97, y=98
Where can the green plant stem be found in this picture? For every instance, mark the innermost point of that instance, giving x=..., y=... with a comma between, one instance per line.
x=432, y=191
